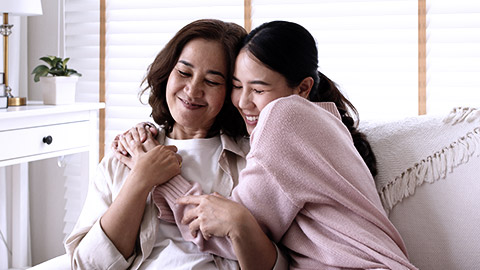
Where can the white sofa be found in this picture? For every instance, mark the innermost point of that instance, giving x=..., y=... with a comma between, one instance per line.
x=429, y=183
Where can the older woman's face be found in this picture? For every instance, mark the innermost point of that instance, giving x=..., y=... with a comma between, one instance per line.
x=196, y=88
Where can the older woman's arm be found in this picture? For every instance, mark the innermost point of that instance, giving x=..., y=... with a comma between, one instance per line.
x=127, y=209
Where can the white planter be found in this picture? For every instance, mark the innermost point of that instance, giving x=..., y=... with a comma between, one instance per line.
x=58, y=90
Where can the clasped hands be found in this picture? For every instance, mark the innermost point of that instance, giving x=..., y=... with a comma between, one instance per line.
x=152, y=164
x=155, y=164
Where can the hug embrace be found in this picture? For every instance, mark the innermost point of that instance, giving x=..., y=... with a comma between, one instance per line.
x=256, y=164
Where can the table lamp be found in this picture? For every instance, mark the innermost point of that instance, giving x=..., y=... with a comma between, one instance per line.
x=18, y=8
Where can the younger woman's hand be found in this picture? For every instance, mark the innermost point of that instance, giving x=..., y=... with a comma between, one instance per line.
x=215, y=215
x=132, y=144
x=139, y=132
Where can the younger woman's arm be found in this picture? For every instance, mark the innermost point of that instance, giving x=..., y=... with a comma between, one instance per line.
x=245, y=227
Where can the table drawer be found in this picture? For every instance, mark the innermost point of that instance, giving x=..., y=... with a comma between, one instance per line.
x=30, y=141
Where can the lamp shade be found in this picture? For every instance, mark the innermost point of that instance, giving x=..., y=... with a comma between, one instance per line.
x=21, y=7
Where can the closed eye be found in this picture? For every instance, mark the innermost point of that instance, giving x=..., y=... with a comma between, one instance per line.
x=212, y=83
x=183, y=73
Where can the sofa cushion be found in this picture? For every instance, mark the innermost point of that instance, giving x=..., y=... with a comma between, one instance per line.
x=429, y=183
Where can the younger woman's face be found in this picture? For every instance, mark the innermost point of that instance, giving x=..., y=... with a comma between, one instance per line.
x=254, y=86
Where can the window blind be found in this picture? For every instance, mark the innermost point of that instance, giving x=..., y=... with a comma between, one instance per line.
x=82, y=37
x=369, y=48
x=453, y=54
x=81, y=44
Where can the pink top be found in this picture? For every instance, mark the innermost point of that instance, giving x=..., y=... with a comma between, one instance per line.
x=309, y=190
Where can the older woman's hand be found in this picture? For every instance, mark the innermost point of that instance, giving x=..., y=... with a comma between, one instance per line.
x=215, y=215
x=152, y=163
x=156, y=166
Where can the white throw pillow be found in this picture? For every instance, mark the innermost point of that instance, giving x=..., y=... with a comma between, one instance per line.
x=429, y=183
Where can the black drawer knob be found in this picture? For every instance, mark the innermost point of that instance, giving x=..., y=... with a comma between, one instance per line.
x=48, y=140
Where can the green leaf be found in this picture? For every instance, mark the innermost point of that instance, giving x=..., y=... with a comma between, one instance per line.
x=57, y=72
x=65, y=62
x=40, y=71
x=56, y=63
x=40, y=68
x=47, y=60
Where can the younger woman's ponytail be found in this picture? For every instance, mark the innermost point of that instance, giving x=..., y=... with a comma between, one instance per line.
x=327, y=90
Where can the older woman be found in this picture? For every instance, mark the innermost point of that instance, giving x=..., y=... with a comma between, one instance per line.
x=189, y=83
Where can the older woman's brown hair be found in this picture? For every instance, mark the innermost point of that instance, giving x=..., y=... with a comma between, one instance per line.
x=230, y=36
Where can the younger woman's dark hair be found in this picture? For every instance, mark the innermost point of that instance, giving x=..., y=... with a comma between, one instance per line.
x=230, y=36
x=289, y=49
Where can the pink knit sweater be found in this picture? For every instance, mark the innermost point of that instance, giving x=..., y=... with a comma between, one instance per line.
x=309, y=190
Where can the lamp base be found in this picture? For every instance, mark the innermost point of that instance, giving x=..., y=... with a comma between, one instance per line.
x=17, y=101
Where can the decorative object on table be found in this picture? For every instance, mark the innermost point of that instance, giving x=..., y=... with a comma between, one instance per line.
x=59, y=87
x=19, y=8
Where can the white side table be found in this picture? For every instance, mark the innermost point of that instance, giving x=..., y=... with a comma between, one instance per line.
x=36, y=132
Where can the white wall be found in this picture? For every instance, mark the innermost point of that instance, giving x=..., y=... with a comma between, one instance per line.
x=43, y=39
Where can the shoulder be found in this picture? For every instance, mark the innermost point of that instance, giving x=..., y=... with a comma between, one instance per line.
x=295, y=106
x=294, y=120
x=294, y=113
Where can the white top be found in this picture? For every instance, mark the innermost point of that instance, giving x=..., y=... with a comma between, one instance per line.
x=200, y=162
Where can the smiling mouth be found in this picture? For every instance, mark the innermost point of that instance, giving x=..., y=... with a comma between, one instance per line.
x=191, y=105
x=251, y=118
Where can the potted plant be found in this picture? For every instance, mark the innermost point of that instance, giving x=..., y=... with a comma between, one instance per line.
x=56, y=80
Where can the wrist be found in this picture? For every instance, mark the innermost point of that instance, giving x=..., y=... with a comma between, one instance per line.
x=135, y=185
x=246, y=227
